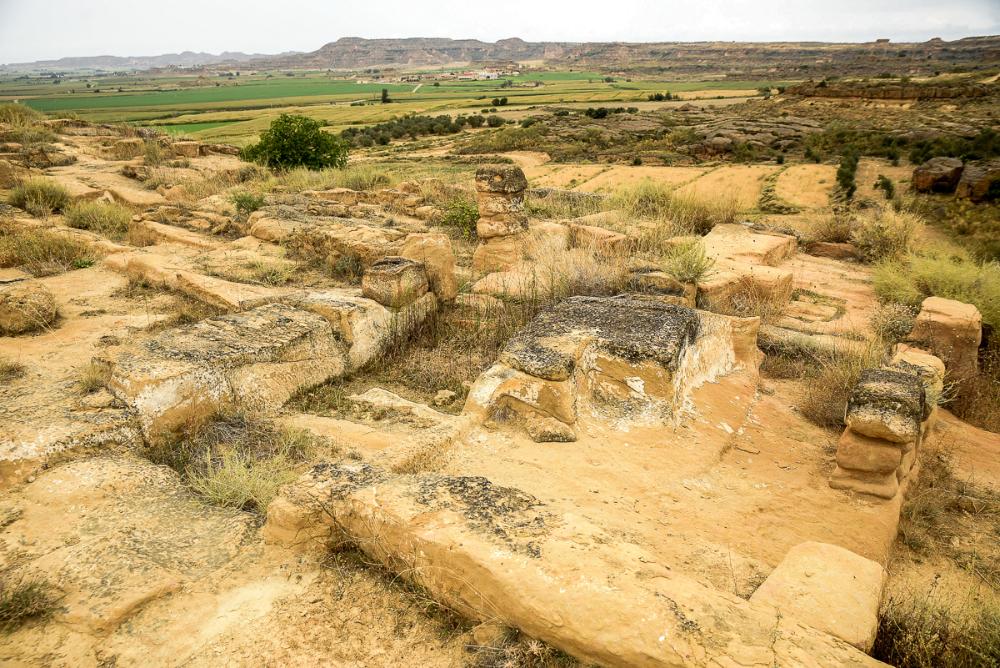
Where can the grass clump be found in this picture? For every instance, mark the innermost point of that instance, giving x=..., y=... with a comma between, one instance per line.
x=460, y=215
x=892, y=322
x=884, y=234
x=23, y=600
x=831, y=229
x=93, y=377
x=42, y=252
x=39, y=196
x=832, y=378
x=19, y=115
x=687, y=262
x=10, y=370
x=152, y=153
x=675, y=214
x=107, y=218
x=917, y=276
x=234, y=457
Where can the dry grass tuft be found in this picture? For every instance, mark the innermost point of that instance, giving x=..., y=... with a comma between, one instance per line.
x=42, y=252
x=687, y=261
x=107, y=218
x=833, y=229
x=882, y=233
x=39, y=196
x=831, y=380
x=674, y=214
x=93, y=377
x=23, y=600
x=234, y=457
x=10, y=370
x=19, y=115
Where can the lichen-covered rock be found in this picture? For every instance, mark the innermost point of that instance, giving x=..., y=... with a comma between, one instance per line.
x=258, y=358
x=395, y=281
x=25, y=306
x=633, y=329
x=506, y=179
x=186, y=149
x=939, y=175
x=887, y=404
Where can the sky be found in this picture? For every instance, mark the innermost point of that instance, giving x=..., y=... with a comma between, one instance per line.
x=47, y=29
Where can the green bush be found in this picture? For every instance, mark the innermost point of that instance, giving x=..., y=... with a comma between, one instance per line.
x=461, y=214
x=885, y=184
x=297, y=141
x=39, y=196
x=246, y=202
x=846, y=173
x=107, y=218
x=494, y=121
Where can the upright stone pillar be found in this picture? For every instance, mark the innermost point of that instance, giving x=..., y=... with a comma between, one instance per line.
x=502, y=221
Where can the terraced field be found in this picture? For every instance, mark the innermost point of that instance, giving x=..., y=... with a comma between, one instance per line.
x=235, y=109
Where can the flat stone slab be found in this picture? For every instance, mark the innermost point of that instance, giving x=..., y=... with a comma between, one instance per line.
x=495, y=552
x=259, y=357
x=828, y=588
x=630, y=328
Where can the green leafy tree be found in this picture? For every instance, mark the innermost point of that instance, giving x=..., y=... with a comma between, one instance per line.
x=297, y=141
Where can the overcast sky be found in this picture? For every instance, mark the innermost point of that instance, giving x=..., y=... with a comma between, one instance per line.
x=46, y=29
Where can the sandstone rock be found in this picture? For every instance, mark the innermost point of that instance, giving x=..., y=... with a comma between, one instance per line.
x=259, y=358
x=833, y=250
x=886, y=404
x=928, y=367
x=883, y=486
x=544, y=429
x=980, y=181
x=951, y=330
x=872, y=455
x=394, y=281
x=186, y=149
x=494, y=552
x=604, y=242
x=939, y=175
x=25, y=306
x=444, y=398
x=505, y=179
x=499, y=253
x=434, y=251
x=500, y=197
x=829, y=588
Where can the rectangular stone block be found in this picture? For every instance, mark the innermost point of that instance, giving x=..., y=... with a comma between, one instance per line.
x=872, y=455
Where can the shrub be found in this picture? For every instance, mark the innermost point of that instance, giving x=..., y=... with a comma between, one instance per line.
x=461, y=215
x=892, y=322
x=24, y=600
x=494, y=121
x=883, y=233
x=885, y=184
x=825, y=396
x=107, y=218
x=834, y=229
x=687, y=262
x=246, y=202
x=41, y=252
x=39, y=196
x=846, y=173
x=297, y=141
x=19, y=115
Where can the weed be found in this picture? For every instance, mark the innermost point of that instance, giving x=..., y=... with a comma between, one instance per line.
x=39, y=196
x=94, y=377
x=24, y=600
x=239, y=481
x=892, y=322
x=687, y=262
x=106, y=218
x=833, y=229
x=460, y=215
x=833, y=378
x=246, y=202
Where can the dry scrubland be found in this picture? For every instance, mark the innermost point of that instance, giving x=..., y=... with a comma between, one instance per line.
x=651, y=387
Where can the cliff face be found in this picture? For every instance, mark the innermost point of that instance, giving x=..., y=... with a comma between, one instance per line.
x=890, y=91
x=774, y=60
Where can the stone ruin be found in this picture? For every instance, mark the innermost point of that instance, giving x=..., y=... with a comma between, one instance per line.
x=595, y=490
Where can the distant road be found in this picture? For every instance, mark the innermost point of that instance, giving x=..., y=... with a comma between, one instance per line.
x=417, y=88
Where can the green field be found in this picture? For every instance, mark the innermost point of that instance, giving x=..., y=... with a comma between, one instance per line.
x=235, y=109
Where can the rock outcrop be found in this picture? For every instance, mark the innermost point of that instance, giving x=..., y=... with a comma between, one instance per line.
x=939, y=175
x=952, y=330
x=502, y=222
x=980, y=181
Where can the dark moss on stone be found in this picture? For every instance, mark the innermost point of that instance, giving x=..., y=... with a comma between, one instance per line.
x=628, y=327
x=500, y=179
x=889, y=391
